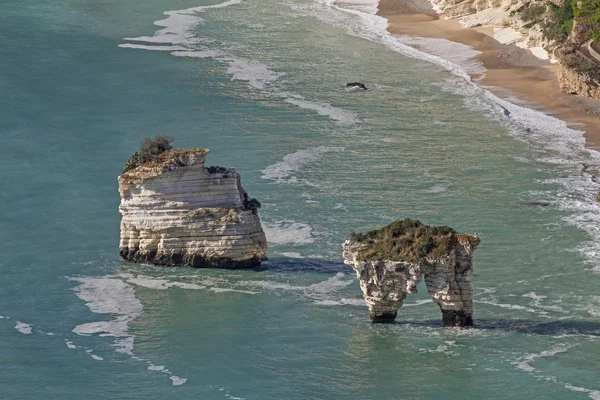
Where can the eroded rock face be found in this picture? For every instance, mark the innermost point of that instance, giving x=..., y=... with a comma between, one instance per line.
x=413, y=251
x=523, y=23
x=176, y=212
x=573, y=82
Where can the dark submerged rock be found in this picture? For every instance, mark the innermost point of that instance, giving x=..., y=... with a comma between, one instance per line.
x=356, y=85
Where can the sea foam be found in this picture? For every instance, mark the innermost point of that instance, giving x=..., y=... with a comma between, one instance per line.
x=111, y=295
x=288, y=232
x=283, y=171
x=534, y=127
x=178, y=36
x=337, y=114
x=24, y=328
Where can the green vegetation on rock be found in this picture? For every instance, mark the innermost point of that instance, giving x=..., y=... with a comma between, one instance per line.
x=559, y=25
x=404, y=240
x=589, y=11
x=149, y=150
x=251, y=203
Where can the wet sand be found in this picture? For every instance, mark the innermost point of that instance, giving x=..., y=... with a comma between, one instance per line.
x=512, y=73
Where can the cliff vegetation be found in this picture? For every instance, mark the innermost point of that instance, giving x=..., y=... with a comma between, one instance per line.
x=572, y=28
x=404, y=240
x=149, y=150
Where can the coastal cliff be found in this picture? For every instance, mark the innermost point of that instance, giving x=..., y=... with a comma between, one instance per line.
x=390, y=262
x=175, y=211
x=563, y=32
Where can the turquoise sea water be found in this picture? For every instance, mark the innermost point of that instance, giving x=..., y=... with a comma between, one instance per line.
x=261, y=83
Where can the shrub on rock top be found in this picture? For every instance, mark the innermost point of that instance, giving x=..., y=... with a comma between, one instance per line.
x=149, y=150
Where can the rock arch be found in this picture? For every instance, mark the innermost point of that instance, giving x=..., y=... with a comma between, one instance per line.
x=390, y=263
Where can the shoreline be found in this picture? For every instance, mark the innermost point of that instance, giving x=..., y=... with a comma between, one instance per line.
x=512, y=73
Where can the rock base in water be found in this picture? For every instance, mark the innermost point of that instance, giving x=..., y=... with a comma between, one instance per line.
x=457, y=318
x=383, y=317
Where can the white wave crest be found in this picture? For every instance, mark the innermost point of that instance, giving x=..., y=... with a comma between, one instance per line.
x=438, y=188
x=206, y=53
x=112, y=295
x=457, y=53
x=24, y=328
x=108, y=295
x=160, y=284
x=337, y=114
x=539, y=129
x=178, y=27
x=283, y=171
x=257, y=74
x=288, y=232
x=177, y=381
x=178, y=37
x=152, y=48
x=524, y=362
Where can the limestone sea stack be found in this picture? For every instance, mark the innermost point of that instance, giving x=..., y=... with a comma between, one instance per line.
x=390, y=263
x=175, y=211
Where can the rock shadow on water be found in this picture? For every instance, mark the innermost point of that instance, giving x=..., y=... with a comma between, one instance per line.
x=275, y=265
x=312, y=265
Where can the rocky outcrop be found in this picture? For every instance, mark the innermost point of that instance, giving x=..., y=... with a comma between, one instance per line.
x=514, y=21
x=531, y=24
x=390, y=263
x=177, y=212
x=356, y=85
x=574, y=82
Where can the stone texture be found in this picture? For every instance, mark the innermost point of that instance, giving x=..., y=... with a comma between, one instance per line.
x=506, y=17
x=576, y=83
x=385, y=284
x=175, y=212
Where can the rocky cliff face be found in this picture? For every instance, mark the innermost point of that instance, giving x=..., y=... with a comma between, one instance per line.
x=514, y=21
x=390, y=263
x=177, y=212
x=578, y=83
x=530, y=24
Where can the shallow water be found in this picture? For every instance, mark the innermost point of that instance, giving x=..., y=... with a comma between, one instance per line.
x=261, y=83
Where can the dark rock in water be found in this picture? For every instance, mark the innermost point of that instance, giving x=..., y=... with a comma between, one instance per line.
x=458, y=318
x=593, y=177
x=383, y=317
x=356, y=85
x=535, y=204
x=391, y=261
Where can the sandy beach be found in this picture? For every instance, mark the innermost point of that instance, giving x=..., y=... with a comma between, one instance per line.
x=512, y=73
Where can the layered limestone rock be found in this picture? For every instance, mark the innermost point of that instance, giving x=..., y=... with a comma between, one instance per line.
x=177, y=212
x=390, y=263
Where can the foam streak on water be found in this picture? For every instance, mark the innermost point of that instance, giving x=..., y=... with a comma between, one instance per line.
x=283, y=171
x=534, y=127
x=178, y=37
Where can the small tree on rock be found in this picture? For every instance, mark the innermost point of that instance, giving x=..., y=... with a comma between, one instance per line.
x=149, y=150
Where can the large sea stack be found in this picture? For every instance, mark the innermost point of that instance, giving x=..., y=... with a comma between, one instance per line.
x=177, y=212
x=390, y=263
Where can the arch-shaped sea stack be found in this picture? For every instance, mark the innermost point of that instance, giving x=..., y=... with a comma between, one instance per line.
x=177, y=212
x=391, y=261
